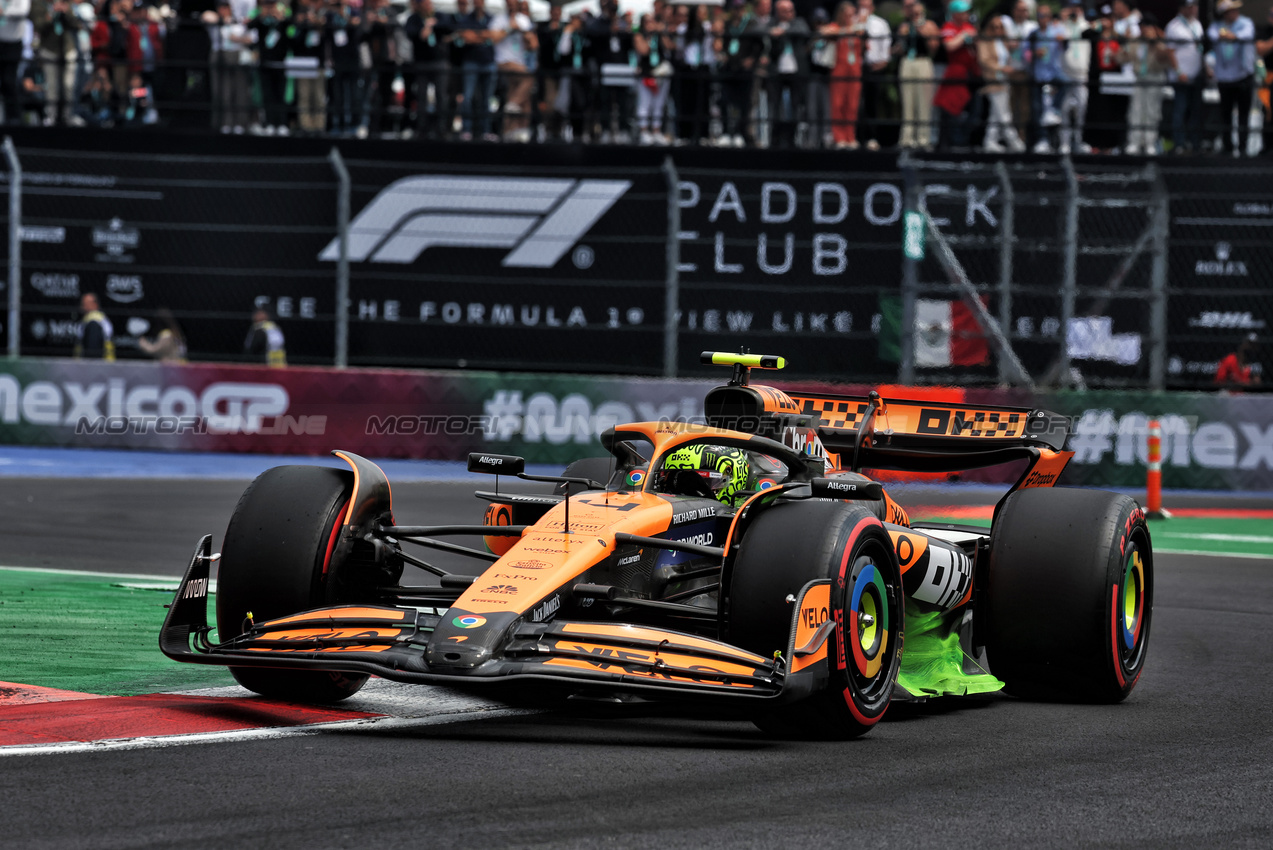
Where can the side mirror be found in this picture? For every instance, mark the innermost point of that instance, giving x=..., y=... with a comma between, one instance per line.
x=489, y=464
x=841, y=488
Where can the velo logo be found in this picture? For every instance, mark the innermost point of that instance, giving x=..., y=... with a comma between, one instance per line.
x=539, y=218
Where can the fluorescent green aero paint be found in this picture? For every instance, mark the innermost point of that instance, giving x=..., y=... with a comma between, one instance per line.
x=84, y=632
x=933, y=662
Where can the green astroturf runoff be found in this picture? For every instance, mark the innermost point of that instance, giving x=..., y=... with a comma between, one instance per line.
x=91, y=633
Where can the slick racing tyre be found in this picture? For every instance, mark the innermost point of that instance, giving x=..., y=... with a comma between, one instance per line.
x=275, y=562
x=1069, y=595
x=599, y=469
x=786, y=547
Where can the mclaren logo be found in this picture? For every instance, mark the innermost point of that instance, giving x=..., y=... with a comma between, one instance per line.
x=540, y=219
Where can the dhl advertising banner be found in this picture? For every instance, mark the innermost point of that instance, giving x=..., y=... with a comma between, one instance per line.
x=1210, y=441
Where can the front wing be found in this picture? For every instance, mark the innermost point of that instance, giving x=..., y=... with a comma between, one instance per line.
x=390, y=642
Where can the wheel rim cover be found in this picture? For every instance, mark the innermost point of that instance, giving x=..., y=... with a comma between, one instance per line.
x=1133, y=603
x=869, y=641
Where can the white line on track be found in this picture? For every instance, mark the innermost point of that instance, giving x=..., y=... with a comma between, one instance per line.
x=95, y=574
x=1204, y=553
x=1232, y=538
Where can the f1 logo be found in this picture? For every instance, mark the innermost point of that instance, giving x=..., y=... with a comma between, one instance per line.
x=539, y=218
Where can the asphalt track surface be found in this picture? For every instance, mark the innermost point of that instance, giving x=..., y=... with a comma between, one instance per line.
x=1184, y=762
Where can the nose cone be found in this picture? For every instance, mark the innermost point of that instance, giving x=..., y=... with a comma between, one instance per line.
x=463, y=641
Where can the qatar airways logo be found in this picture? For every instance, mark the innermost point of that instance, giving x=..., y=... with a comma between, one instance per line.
x=113, y=407
x=540, y=219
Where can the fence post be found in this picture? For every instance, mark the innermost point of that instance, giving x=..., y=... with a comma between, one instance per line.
x=1007, y=238
x=15, y=246
x=1160, y=222
x=672, y=289
x=910, y=277
x=1069, y=278
x=342, y=263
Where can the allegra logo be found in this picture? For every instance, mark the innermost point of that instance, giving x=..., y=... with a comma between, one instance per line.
x=539, y=218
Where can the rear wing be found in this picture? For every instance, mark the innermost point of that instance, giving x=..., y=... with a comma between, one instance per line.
x=928, y=436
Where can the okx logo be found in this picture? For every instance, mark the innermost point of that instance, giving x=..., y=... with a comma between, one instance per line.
x=539, y=218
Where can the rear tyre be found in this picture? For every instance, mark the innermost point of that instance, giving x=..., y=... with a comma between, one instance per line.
x=1070, y=594
x=275, y=561
x=789, y=545
x=599, y=469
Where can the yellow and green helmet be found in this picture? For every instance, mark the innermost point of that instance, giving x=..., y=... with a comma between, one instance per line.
x=726, y=471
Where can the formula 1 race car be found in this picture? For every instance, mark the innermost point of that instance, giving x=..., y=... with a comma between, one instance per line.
x=745, y=562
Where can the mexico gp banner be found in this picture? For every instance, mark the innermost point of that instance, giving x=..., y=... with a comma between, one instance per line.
x=303, y=411
x=1210, y=441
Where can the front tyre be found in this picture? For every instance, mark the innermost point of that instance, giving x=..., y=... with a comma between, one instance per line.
x=789, y=545
x=276, y=561
x=1070, y=594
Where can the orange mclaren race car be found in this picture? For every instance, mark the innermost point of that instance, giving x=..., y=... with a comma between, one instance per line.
x=744, y=561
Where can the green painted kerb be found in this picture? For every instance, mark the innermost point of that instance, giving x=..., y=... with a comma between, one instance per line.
x=88, y=634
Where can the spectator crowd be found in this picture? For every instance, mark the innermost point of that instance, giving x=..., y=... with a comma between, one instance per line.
x=1063, y=77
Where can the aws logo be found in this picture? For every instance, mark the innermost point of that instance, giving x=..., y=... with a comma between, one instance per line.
x=539, y=218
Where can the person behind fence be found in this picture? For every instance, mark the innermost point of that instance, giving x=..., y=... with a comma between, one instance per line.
x=574, y=98
x=109, y=40
x=652, y=47
x=822, y=49
x=1152, y=60
x=513, y=58
x=146, y=36
x=1018, y=27
x=549, y=66
x=169, y=345
x=695, y=57
x=1184, y=38
x=379, y=59
x=1046, y=51
x=13, y=24
x=954, y=94
x=875, y=62
x=1103, y=130
x=58, y=34
x=95, y=335
x=480, y=37
x=265, y=342
x=993, y=56
x=846, y=75
x=1264, y=47
x=268, y=31
x=429, y=33
x=343, y=34
x=611, y=44
x=308, y=66
x=737, y=74
x=787, y=68
x=1236, y=368
x=231, y=65
x=1231, y=63
x=1076, y=63
x=917, y=42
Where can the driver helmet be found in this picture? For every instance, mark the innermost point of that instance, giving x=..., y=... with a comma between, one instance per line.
x=725, y=471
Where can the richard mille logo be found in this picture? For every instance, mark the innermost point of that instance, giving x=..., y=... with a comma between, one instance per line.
x=540, y=219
